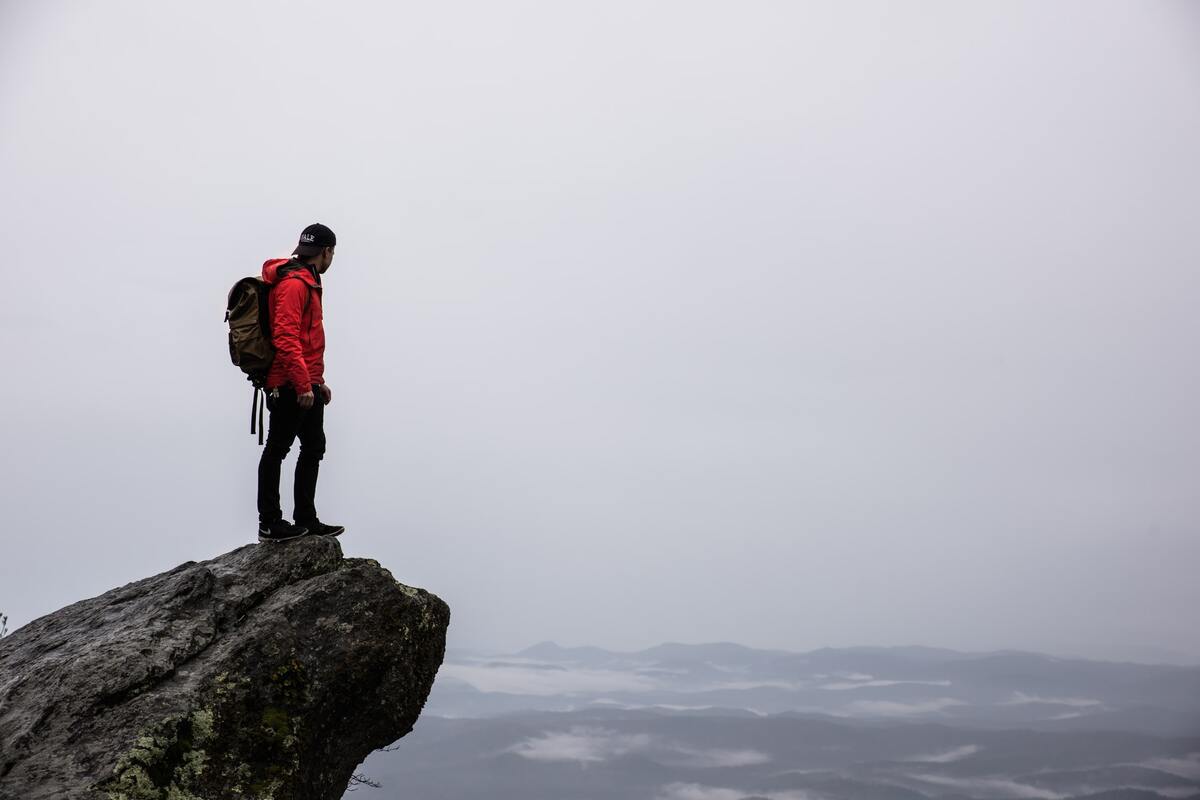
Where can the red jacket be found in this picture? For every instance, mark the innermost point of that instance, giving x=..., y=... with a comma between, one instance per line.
x=296, y=327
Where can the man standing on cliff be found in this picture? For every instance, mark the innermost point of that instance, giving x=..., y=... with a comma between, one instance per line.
x=295, y=388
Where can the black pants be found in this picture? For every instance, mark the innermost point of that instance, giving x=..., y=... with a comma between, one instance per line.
x=288, y=421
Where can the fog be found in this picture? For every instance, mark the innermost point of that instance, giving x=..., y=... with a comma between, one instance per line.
x=792, y=324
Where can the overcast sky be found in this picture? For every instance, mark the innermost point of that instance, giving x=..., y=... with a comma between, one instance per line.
x=793, y=324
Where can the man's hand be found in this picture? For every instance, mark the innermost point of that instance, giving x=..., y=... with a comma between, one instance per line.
x=327, y=394
x=305, y=401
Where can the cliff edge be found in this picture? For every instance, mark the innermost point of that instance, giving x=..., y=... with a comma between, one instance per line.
x=268, y=673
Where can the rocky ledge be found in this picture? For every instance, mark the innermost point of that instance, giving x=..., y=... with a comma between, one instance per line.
x=269, y=673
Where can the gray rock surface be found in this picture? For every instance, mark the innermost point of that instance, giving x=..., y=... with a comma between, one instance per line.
x=269, y=672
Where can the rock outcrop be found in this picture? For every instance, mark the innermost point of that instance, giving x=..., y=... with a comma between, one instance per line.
x=269, y=673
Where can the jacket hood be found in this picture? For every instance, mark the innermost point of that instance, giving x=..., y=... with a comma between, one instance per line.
x=270, y=272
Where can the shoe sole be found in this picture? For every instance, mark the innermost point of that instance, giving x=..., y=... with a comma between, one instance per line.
x=277, y=539
x=338, y=530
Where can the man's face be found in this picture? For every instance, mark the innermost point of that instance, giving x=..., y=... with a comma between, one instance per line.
x=324, y=260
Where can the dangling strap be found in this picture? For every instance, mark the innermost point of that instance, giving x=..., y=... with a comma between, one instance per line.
x=257, y=399
x=253, y=403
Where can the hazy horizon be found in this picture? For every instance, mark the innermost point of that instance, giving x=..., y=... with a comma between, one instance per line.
x=1117, y=654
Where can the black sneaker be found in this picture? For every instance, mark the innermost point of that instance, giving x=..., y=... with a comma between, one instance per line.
x=280, y=531
x=318, y=528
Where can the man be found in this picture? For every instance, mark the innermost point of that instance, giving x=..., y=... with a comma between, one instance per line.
x=295, y=387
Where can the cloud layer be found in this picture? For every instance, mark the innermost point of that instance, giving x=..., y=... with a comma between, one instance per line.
x=584, y=745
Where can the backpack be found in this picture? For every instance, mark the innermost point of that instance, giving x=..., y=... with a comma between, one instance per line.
x=251, y=346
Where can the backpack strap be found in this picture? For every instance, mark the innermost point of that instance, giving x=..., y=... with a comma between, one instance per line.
x=289, y=270
x=257, y=399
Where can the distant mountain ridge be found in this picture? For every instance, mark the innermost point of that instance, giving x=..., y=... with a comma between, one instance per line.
x=552, y=650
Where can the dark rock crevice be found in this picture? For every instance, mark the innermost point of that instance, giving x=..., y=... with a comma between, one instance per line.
x=269, y=672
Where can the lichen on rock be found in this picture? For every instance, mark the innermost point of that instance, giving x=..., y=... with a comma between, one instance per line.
x=171, y=755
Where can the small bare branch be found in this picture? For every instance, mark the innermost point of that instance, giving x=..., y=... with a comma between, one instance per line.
x=357, y=781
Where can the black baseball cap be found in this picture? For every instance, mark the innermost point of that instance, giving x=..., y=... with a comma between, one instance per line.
x=314, y=239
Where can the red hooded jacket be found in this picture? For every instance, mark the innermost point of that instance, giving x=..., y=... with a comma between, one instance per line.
x=296, y=328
